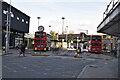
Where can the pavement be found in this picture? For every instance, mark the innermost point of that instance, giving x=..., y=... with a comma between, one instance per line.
x=103, y=69
x=107, y=66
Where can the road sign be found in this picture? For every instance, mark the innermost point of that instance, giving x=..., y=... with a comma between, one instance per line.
x=41, y=28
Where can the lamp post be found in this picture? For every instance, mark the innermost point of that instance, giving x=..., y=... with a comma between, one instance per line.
x=38, y=20
x=66, y=34
x=6, y=36
x=63, y=25
x=62, y=29
x=8, y=28
x=49, y=28
x=77, y=42
x=86, y=31
x=9, y=20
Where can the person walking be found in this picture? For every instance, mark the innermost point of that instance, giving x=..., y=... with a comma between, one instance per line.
x=22, y=49
x=77, y=54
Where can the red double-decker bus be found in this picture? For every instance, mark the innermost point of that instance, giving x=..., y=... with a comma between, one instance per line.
x=95, y=44
x=40, y=40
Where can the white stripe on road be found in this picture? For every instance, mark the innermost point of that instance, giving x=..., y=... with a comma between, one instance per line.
x=90, y=59
x=82, y=72
x=10, y=69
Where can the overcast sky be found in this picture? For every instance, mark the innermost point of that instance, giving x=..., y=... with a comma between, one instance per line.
x=79, y=14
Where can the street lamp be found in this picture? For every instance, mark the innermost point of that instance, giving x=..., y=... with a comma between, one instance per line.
x=6, y=36
x=63, y=25
x=8, y=28
x=77, y=42
x=66, y=34
x=62, y=29
x=49, y=28
x=38, y=20
x=10, y=19
x=86, y=31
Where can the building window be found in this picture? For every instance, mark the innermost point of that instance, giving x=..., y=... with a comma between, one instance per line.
x=12, y=15
x=5, y=12
x=23, y=20
x=18, y=18
x=26, y=22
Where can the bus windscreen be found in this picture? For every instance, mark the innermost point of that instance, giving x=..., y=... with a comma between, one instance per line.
x=96, y=44
x=39, y=35
x=39, y=41
x=96, y=38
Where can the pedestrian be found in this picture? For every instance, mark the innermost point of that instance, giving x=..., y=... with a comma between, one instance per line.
x=77, y=54
x=17, y=46
x=22, y=49
x=115, y=53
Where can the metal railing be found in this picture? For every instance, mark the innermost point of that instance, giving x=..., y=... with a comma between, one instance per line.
x=109, y=10
x=110, y=7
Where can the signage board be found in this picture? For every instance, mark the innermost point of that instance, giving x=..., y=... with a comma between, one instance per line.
x=41, y=28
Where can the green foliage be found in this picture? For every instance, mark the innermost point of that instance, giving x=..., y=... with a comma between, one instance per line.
x=54, y=35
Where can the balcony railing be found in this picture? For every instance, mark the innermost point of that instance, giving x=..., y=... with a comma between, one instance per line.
x=110, y=12
x=110, y=7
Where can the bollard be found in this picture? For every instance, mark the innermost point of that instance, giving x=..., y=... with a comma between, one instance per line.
x=78, y=52
x=35, y=53
x=3, y=49
x=44, y=51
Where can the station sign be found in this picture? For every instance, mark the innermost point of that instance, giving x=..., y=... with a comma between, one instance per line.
x=40, y=28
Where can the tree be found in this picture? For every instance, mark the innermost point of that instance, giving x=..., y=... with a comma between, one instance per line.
x=71, y=32
x=54, y=35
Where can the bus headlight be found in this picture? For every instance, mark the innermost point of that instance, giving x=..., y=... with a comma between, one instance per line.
x=35, y=48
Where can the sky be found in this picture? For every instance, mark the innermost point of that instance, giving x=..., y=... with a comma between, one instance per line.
x=80, y=15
